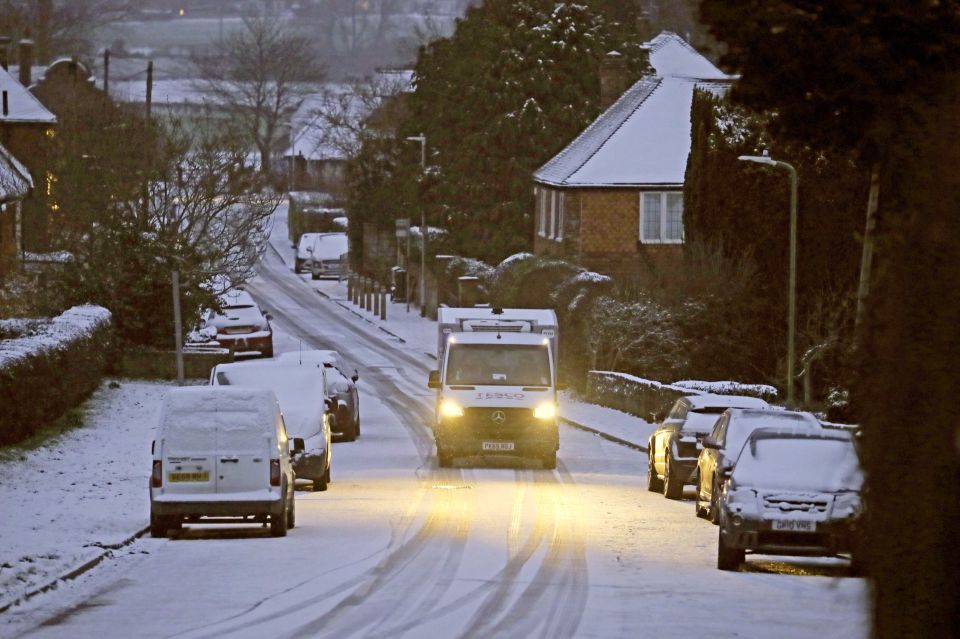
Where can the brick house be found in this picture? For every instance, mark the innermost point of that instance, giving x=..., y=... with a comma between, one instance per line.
x=15, y=185
x=612, y=200
x=26, y=130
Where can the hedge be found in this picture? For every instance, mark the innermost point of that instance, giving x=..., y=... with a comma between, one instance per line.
x=51, y=367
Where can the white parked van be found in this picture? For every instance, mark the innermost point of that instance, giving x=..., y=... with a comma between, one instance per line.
x=221, y=456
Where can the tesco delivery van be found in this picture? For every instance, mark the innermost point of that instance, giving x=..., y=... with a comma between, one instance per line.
x=496, y=386
x=221, y=456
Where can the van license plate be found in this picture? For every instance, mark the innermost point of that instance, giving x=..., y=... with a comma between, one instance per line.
x=497, y=445
x=795, y=525
x=188, y=477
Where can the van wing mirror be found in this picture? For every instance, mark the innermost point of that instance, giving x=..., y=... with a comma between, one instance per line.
x=298, y=445
x=725, y=471
x=711, y=443
x=434, y=380
x=331, y=404
x=355, y=376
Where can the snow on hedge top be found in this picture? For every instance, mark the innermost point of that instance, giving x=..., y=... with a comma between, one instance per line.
x=729, y=388
x=75, y=323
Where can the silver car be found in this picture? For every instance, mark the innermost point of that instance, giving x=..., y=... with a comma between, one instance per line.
x=341, y=386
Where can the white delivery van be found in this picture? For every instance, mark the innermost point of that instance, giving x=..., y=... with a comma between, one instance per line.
x=327, y=256
x=302, y=393
x=221, y=456
x=496, y=386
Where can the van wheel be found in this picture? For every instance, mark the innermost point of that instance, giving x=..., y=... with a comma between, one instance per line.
x=444, y=460
x=158, y=526
x=549, y=460
x=278, y=523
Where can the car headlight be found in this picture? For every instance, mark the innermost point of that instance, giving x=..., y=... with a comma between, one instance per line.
x=546, y=410
x=450, y=408
x=846, y=505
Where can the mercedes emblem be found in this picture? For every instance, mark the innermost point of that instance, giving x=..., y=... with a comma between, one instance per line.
x=498, y=416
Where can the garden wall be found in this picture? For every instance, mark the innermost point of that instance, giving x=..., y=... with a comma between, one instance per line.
x=50, y=366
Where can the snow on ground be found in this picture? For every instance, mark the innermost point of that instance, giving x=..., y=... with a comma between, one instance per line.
x=63, y=502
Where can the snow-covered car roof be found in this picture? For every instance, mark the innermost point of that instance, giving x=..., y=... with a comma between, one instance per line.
x=330, y=245
x=300, y=391
x=310, y=356
x=797, y=460
x=700, y=402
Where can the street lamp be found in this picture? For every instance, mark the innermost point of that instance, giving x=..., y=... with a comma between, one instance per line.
x=422, y=139
x=792, y=285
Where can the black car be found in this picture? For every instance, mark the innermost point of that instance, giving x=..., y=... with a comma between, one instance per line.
x=791, y=492
x=674, y=447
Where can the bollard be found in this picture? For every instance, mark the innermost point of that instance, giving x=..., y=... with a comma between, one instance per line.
x=356, y=286
x=368, y=294
x=350, y=287
x=363, y=293
x=383, y=303
x=376, y=299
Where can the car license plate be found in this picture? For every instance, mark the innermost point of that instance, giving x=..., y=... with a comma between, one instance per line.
x=188, y=477
x=497, y=445
x=795, y=525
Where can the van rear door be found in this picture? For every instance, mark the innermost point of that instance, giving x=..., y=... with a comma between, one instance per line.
x=189, y=446
x=244, y=448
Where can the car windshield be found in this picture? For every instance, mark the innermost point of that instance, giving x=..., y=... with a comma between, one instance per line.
x=498, y=365
x=790, y=463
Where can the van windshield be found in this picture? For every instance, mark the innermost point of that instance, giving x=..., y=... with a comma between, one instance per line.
x=498, y=365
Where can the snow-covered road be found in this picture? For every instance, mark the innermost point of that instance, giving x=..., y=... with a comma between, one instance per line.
x=401, y=548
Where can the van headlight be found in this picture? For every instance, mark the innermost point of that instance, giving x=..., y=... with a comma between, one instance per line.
x=546, y=410
x=450, y=408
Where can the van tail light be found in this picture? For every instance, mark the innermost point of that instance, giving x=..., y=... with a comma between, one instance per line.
x=156, y=479
x=274, y=472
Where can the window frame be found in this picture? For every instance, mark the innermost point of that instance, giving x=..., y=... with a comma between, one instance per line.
x=663, y=239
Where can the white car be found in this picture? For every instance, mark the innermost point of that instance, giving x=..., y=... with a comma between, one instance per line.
x=221, y=455
x=304, y=251
x=341, y=387
x=327, y=256
x=302, y=394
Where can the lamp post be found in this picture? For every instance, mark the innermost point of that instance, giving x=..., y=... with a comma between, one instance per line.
x=792, y=283
x=422, y=139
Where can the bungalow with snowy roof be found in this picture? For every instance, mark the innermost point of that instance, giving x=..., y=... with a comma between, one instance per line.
x=612, y=200
x=27, y=129
x=15, y=185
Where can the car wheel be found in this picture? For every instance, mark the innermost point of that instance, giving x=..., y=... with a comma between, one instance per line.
x=654, y=483
x=320, y=483
x=158, y=526
x=714, y=514
x=278, y=523
x=292, y=513
x=314, y=276
x=728, y=558
x=267, y=352
x=550, y=460
x=672, y=489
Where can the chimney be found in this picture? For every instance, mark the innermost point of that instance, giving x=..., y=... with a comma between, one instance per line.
x=26, y=62
x=6, y=104
x=4, y=48
x=613, y=78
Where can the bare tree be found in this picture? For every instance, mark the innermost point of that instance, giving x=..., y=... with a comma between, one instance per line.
x=60, y=27
x=260, y=74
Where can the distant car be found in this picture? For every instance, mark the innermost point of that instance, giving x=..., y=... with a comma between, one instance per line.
x=341, y=386
x=326, y=257
x=722, y=446
x=674, y=447
x=304, y=250
x=240, y=324
x=221, y=453
x=791, y=492
x=303, y=400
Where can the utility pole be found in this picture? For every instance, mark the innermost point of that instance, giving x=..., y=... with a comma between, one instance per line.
x=106, y=71
x=422, y=139
x=149, y=88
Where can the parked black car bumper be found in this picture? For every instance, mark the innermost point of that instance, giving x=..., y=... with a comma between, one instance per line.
x=830, y=537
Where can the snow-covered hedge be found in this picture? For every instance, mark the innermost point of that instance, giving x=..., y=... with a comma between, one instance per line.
x=51, y=367
x=646, y=397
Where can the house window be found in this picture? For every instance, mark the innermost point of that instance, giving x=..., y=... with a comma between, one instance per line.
x=560, y=205
x=661, y=217
x=542, y=212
